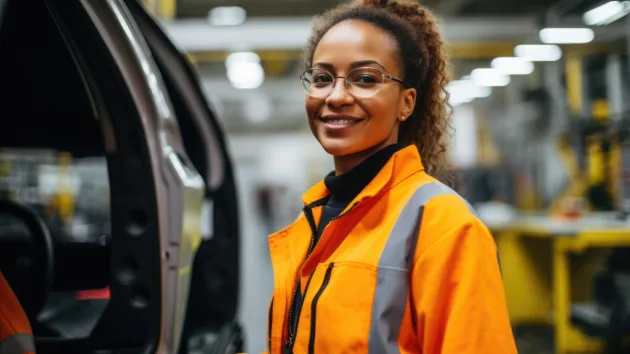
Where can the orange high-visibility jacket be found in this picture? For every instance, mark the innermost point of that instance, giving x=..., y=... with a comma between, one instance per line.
x=406, y=268
x=15, y=331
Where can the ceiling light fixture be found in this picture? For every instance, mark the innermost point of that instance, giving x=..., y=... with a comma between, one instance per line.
x=227, y=16
x=244, y=70
x=513, y=65
x=607, y=13
x=566, y=35
x=489, y=77
x=464, y=91
x=538, y=52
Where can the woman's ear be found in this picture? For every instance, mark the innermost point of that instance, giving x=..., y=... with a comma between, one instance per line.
x=408, y=102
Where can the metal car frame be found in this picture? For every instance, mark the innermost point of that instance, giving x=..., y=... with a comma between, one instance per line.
x=163, y=187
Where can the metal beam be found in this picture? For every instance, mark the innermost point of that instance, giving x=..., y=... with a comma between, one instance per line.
x=575, y=82
x=257, y=8
x=616, y=88
x=562, y=7
x=287, y=34
x=481, y=50
x=165, y=10
x=457, y=50
x=462, y=50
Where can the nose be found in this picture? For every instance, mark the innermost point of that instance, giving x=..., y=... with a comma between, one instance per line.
x=340, y=94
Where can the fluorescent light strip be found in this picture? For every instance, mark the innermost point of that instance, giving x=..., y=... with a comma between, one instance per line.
x=606, y=13
x=489, y=77
x=513, y=65
x=538, y=52
x=566, y=35
x=464, y=91
x=227, y=16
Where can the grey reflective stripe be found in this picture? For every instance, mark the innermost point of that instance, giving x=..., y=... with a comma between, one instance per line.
x=392, y=286
x=17, y=344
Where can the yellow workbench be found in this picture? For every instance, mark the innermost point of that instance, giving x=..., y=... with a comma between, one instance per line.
x=538, y=276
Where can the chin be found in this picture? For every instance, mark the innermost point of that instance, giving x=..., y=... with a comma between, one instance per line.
x=339, y=147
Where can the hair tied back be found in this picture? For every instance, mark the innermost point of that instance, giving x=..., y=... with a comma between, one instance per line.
x=381, y=3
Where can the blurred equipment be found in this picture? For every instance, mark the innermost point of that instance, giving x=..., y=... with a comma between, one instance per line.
x=608, y=316
x=624, y=171
x=599, y=143
x=118, y=171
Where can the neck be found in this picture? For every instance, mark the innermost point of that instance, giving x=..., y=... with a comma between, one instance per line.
x=346, y=163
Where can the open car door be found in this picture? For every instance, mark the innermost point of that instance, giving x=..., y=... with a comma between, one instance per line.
x=210, y=325
x=156, y=233
x=99, y=92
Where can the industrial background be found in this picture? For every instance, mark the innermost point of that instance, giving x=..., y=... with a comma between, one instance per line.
x=540, y=95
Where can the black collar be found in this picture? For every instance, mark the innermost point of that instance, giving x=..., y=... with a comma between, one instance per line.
x=344, y=188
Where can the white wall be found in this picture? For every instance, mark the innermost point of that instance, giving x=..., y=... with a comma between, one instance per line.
x=463, y=144
x=292, y=160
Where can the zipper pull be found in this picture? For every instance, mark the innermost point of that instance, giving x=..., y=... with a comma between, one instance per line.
x=288, y=346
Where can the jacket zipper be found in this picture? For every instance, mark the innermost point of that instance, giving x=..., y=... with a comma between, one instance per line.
x=269, y=324
x=291, y=341
x=311, y=340
x=308, y=213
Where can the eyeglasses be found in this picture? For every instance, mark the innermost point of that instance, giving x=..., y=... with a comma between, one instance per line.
x=360, y=82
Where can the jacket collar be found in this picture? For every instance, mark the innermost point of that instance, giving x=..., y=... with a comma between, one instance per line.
x=400, y=166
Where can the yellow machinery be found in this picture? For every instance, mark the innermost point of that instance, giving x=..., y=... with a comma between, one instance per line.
x=65, y=198
x=549, y=262
x=61, y=204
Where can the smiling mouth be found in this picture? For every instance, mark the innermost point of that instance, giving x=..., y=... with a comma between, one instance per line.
x=340, y=122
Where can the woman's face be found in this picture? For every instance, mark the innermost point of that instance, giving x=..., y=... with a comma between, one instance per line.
x=343, y=123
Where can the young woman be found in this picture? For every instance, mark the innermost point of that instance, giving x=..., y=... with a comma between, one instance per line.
x=384, y=258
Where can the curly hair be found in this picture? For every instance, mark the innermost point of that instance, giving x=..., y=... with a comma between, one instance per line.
x=421, y=50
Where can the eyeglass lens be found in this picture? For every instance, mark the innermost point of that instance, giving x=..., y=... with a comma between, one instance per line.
x=362, y=82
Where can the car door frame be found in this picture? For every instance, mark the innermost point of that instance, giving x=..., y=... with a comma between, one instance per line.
x=218, y=260
x=156, y=193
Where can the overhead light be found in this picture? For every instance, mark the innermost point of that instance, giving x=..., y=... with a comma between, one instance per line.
x=513, y=65
x=241, y=57
x=538, y=52
x=464, y=91
x=227, y=16
x=606, y=13
x=489, y=77
x=246, y=75
x=566, y=35
x=458, y=94
x=244, y=70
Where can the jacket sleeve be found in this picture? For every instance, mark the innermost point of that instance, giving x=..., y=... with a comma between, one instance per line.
x=457, y=293
x=15, y=331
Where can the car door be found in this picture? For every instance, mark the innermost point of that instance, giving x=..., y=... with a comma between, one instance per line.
x=156, y=192
x=215, y=281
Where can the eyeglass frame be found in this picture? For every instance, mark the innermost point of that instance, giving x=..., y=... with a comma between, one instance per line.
x=348, y=83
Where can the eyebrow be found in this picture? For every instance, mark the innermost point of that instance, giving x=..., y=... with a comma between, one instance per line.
x=355, y=64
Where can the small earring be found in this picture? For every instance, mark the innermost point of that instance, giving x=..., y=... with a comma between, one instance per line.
x=402, y=118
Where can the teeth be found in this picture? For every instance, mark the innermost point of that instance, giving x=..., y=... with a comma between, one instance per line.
x=339, y=121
